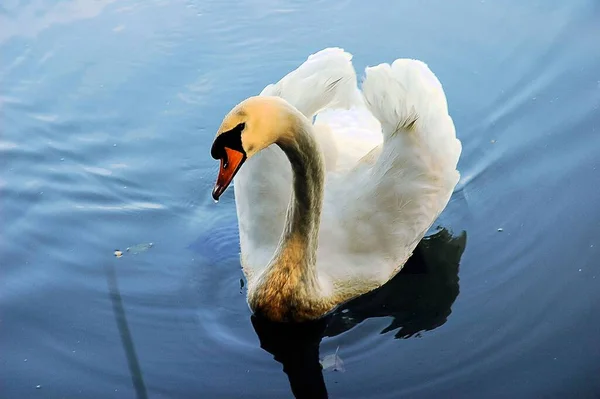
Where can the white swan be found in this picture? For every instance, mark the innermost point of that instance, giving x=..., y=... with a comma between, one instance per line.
x=335, y=208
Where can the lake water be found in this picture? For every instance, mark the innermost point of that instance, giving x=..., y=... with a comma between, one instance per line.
x=107, y=113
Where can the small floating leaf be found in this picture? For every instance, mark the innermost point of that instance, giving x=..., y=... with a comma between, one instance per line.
x=136, y=249
x=333, y=362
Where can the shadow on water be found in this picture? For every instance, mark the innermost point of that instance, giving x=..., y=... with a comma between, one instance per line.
x=124, y=331
x=418, y=299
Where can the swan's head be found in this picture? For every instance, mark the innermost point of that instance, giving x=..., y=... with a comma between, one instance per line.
x=251, y=126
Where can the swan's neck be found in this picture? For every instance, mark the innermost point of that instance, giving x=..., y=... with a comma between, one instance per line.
x=289, y=287
x=304, y=210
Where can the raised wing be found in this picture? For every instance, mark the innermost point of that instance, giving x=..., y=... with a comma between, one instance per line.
x=376, y=213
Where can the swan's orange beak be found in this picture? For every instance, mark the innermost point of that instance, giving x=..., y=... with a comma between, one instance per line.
x=231, y=162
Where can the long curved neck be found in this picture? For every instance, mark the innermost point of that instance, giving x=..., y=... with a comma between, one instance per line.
x=298, y=242
x=288, y=289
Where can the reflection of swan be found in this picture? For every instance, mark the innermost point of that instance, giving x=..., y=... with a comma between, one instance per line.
x=296, y=346
x=419, y=298
x=357, y=207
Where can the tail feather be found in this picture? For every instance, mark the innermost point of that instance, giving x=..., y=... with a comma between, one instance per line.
x=407, y=98
x=325, y=80
x=403, y=95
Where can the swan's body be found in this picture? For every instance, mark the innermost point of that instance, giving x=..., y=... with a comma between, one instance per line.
x=335, y=209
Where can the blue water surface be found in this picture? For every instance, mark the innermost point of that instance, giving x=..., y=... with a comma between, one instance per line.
x=107, y=113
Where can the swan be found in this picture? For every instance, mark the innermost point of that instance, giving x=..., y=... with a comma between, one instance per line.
x=334, y=186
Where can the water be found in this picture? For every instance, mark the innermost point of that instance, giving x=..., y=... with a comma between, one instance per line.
x=108, y=110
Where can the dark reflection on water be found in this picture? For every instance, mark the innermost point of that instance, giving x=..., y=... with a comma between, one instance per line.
x=296, y=347
x=419, y=298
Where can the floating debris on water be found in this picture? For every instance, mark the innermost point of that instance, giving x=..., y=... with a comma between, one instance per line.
x=333, y=362
x=136, y=249
x=493, y=141
x=38, y=387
